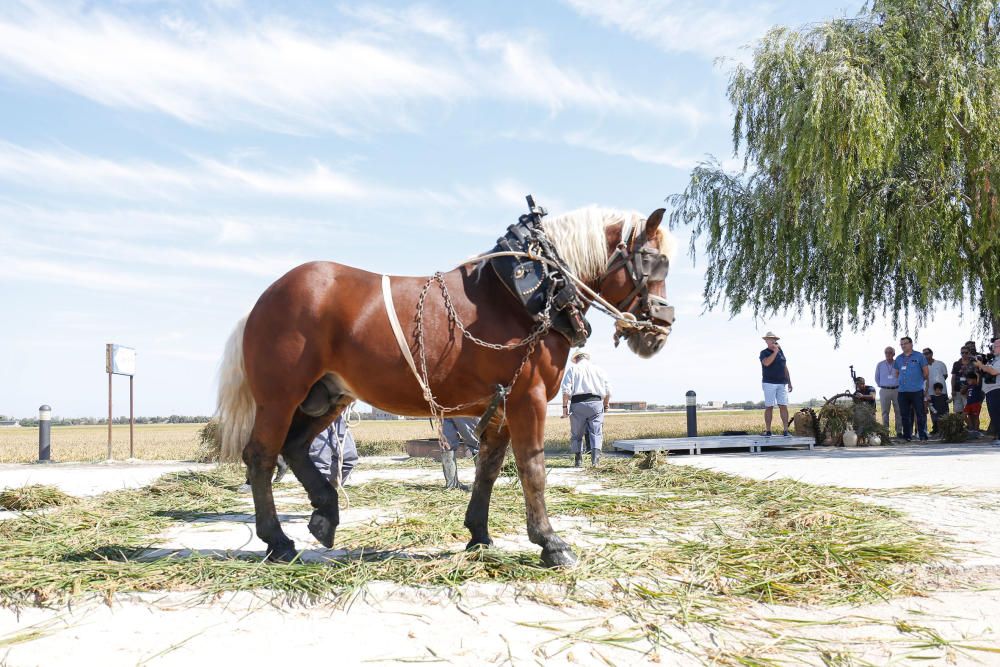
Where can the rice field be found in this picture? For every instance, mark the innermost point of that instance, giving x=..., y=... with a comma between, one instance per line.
x=179, y=442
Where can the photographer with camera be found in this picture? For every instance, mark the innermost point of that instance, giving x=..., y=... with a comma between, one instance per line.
x=989, y=366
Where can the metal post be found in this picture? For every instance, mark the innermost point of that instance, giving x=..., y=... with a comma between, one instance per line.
x=109, y=417
x=692, y=413
x=44, y=434
x=131, y=418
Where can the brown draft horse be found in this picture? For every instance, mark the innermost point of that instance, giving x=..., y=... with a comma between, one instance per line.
x=320, y=336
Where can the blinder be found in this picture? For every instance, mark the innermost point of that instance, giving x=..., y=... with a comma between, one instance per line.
x=643, y=266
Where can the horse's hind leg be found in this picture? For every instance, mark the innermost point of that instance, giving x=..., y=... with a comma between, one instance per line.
x=261, y=455
x=492, y=451
x=326, y=515
x=527, y=425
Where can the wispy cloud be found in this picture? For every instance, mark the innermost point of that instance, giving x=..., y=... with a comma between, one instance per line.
x=524, y=71
x=95, y=276
x=681, y=26
x=386, y=69
x=271, y=72
x=63, y=169
x=67, y=171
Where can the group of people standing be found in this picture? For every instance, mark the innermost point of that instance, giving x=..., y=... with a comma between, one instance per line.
x=913, y=384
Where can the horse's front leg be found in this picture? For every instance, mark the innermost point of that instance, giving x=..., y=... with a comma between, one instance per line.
x=492, y=450
x=261, y=455
x=527, y=430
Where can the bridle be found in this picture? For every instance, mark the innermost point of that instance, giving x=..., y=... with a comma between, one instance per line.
x=642, y=266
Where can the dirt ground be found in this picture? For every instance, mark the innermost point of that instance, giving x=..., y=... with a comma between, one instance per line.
x=951, y=490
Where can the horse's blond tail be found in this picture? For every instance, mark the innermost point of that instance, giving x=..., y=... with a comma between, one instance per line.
x=236, y=409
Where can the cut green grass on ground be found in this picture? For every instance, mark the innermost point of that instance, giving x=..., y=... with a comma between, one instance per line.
x=33, y=497
x=770, y=541
x=664, y=548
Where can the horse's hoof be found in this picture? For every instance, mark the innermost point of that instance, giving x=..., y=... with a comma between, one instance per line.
x=282, y=552
x=562, y=557
x=479, y=542
x=322, y=529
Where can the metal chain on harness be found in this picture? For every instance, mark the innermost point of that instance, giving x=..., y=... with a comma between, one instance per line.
x=438, y=411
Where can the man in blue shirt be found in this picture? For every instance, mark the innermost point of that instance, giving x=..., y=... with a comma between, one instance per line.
x=774, y=379
x=913, y=372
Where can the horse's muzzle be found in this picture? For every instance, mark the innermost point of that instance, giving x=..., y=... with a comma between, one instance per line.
x=647, y=343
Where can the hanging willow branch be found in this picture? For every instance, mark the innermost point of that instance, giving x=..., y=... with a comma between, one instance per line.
x=871, y=161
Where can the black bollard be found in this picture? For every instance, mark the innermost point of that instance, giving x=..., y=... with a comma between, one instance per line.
x=44, y=434
x=692, y=413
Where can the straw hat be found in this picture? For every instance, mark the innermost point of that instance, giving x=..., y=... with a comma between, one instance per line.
x=771, y=334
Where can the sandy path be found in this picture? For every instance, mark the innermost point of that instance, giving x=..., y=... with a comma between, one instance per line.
x=492, y=625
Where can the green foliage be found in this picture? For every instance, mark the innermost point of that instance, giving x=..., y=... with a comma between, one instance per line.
x=209, y=442
x=953, y=428
x=834, y=419
x=871, y=151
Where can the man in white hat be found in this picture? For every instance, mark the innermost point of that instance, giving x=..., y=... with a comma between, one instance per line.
x=774, y=381
x=586, y=389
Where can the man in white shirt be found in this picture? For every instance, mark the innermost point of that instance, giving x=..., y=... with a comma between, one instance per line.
x=586, y=389
x=887, y=380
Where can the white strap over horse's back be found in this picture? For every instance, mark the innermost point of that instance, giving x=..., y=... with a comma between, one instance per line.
x=390, y=310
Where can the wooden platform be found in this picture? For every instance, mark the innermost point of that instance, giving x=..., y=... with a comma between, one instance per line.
x=754, y=443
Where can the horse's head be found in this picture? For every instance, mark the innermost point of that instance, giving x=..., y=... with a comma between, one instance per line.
x=635, y=281
x=626, y=259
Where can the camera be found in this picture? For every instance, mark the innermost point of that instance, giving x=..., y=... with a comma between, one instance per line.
x=986, y=360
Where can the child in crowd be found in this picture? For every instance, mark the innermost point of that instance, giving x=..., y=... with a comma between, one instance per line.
x=973, y=401
x=938, y=405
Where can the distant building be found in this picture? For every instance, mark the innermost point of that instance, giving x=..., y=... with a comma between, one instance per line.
x=9, y=423
x=712, y=405
x=631, y=406
x=383, y=415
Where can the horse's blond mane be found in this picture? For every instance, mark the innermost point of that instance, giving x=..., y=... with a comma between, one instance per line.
x=580, y=239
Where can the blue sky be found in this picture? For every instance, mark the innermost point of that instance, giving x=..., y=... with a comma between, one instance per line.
x=161, y=163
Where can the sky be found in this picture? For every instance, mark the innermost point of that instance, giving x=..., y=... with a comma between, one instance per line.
x=161, y=163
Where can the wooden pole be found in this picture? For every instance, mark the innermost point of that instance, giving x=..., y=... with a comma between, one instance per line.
x=131, y=417
x=109, y=416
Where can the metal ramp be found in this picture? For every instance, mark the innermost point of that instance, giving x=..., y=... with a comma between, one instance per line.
x=754, y=443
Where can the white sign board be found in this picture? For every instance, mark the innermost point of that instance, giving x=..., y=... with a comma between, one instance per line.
x=120, y=359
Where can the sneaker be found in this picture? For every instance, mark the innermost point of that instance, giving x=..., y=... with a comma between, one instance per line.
x=923, y=438
x=578, y=461
x=767, y=434
x=786, y=434
x=995, y=443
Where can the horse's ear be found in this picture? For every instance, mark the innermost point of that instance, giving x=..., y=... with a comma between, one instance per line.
x=653, y=221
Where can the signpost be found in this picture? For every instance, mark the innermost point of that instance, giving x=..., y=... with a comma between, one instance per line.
x=120, y=360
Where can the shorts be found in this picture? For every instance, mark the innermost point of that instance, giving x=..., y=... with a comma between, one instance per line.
x=774, y=394
x=973, y=408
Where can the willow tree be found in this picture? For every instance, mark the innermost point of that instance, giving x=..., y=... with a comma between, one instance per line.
x=870, y=153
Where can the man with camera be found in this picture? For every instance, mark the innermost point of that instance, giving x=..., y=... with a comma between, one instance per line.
x=988, y=366
x=775, y=379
